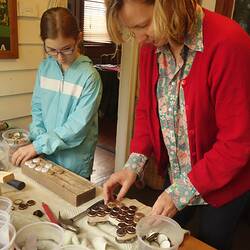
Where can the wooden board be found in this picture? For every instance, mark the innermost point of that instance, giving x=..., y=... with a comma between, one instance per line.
x=6, y=176
x=69, y=186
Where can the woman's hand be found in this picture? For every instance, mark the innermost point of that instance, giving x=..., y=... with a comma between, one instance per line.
x=164, y=206
x=125, y=178
x=23, y=154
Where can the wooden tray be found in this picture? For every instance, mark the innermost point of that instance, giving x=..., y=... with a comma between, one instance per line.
x=66, y=184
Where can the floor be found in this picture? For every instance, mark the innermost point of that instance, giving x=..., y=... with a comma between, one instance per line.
x=107, y=134
x=105, y=158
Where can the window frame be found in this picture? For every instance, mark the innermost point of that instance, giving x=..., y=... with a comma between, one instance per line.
x=75, y=7
x=92, y=49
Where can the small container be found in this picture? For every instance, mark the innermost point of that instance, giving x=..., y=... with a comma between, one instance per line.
x=159, y=224
x=4, y=152
x=5, y=204
x=4, y=216
x=46, y=236
x=15, y=138
x=7, y=236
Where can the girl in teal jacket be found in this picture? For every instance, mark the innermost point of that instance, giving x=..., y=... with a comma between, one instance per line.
x=65, y=100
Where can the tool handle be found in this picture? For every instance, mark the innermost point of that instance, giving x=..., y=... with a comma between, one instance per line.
x=17, y=184
x=49, y=213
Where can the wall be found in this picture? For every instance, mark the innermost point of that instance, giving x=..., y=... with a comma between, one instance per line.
x=17, y=76
x=209, y=4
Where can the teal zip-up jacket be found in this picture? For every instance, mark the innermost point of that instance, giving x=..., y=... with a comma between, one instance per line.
x=65, y=113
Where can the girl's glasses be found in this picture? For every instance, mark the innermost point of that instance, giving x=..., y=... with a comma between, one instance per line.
x=63, y=52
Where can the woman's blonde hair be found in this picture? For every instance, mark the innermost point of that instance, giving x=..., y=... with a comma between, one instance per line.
x=172, y=19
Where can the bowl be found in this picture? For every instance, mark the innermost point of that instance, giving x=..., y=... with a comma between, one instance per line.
x=7, y=235
x=4, y=164
x=165, y=233
x=5, y=204
x=15, y=138
x=39, y=235
x=4, y=216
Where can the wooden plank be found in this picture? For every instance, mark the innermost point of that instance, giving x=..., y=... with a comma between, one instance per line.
x=6, y=176
x=17, y=82
x=15, y=106
x=69, y=186
x=30, y=57
x=25, y=26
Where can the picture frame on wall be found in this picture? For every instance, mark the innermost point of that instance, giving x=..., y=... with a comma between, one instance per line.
x=8, y=29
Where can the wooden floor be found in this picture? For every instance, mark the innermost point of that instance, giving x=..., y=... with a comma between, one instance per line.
x=104, y=160
x=107, y=134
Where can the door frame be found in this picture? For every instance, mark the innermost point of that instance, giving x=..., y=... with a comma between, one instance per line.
x=225, y=7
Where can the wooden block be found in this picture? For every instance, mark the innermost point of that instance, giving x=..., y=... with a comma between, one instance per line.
x=66, y=184
x=6, y=176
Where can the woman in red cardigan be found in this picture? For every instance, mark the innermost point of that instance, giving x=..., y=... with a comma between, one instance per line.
x=193, y=112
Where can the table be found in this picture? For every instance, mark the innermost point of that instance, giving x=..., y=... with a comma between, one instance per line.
x=40, y=194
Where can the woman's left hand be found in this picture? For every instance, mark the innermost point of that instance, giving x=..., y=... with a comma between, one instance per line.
x=164, y=206
x=23, y=154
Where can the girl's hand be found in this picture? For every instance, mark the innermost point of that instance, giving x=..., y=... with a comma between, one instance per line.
x=164, y=206
x=23, y=154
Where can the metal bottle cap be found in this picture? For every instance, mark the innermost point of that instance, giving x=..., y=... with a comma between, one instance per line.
x=91, y=213
x=111, y=204
x=121, y=232
x=100, y=214
x=132, y=208
x=113, y=214
x=115, y=209
x=22, y=206
x=30, y=202
x=121, y=225
x=124, y=208
x=130, y=230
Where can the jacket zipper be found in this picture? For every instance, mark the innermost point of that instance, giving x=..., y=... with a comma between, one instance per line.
x=61, y=86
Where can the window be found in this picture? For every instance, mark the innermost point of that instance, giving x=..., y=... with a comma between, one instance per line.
x=94, y=21
x=91, y=18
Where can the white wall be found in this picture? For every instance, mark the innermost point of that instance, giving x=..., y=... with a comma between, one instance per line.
x=209, y=4
x=17, y=76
